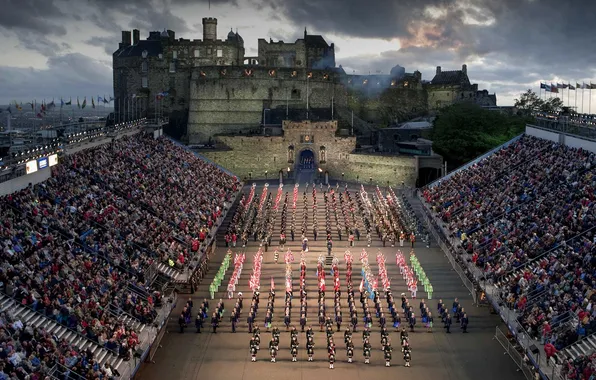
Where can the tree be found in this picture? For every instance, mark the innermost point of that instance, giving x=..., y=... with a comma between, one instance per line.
x=552, y=105
x=464, y=131
x=529, y=103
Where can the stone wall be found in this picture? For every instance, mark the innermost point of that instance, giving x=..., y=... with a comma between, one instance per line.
x=260, y=156
x=382, y=169
x=227, y=100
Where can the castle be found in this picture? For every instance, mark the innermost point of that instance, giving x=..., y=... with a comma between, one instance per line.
x=210, y=87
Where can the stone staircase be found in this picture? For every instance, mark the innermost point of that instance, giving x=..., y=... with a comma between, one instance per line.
x=34, y=319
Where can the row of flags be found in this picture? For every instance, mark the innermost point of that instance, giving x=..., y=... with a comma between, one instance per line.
x=44, y=107
x=566, y=86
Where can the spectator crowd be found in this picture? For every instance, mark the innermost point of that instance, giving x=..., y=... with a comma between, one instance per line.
x=526, y=216
x=77, y=247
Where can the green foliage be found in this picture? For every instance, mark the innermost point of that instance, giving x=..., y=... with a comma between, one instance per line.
x=463, y=131
x=529, y=103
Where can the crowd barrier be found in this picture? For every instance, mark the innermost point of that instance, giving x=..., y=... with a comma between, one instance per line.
x=513, y=351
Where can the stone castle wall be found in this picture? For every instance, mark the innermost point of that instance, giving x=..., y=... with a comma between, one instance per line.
x=227, y=100
x=258, y=157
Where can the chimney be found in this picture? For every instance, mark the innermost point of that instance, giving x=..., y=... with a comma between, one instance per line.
x=464, y=69
x=125, y=38
x=438, y=70
x=136, y=36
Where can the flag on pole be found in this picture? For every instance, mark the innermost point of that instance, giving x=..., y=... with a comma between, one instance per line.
x=571, y=87
x=105, y=100
x=543, y=86
x=61, y=102
x=78, y=102
x=554, y=88
x=99, y=99
x=84, y=103
x=69, y=102
x=51, y=105
x=93, y=102
x=111, y=99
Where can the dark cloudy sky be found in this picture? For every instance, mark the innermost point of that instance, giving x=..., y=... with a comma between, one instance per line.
x=62, y=48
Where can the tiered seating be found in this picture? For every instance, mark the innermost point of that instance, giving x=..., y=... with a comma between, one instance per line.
x=532, y=199
x=33, y=347
x=75, y=249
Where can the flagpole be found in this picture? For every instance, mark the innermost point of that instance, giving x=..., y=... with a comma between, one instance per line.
x=568, y=91
x=583, y=85
x=590, y=100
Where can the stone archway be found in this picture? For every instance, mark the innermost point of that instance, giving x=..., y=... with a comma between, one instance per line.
x=306, y=160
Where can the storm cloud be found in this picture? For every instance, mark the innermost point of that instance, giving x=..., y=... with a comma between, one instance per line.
x=509, y=45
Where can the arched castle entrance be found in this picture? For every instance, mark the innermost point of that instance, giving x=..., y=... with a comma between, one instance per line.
x=306, y=160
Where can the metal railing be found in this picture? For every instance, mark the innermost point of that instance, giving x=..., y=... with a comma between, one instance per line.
x=519, y=358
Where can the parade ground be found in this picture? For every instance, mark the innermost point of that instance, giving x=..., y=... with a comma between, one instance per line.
x=436, y=355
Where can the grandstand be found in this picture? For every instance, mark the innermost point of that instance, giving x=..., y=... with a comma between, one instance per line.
x=91, y=256
x=521, y=220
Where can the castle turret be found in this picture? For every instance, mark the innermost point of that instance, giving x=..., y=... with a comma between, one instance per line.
x=438, y=70
x=209, y=29
x=464, y=69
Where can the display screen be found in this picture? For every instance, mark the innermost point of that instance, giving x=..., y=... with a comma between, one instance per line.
x=53, y=159
x=42, y=163
x=31, y=166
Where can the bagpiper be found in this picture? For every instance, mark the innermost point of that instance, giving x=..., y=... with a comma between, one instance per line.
x=272, y=350
x=294, y=351
x=347, y=336
x=253, y=349
x=387, y=348
x=404, y=339
x=365, y=334
x=350, y=349
x=257, y=336
x=331, y=359
x=366, y=350
x=310, y=348
x=407, y=356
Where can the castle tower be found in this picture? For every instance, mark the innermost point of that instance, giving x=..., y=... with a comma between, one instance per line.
x=464, y=69
x=209, y=29
x=438, y=70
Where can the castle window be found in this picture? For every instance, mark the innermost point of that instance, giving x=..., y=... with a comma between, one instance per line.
x=144, y=66
x=197, y=53
x=144, y=83
x=174, y=54
x=219, y=53
x=296, y=94
x=209, y=51
x=172, y=67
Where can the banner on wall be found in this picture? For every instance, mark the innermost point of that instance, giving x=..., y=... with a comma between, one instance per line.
x=31, y=167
